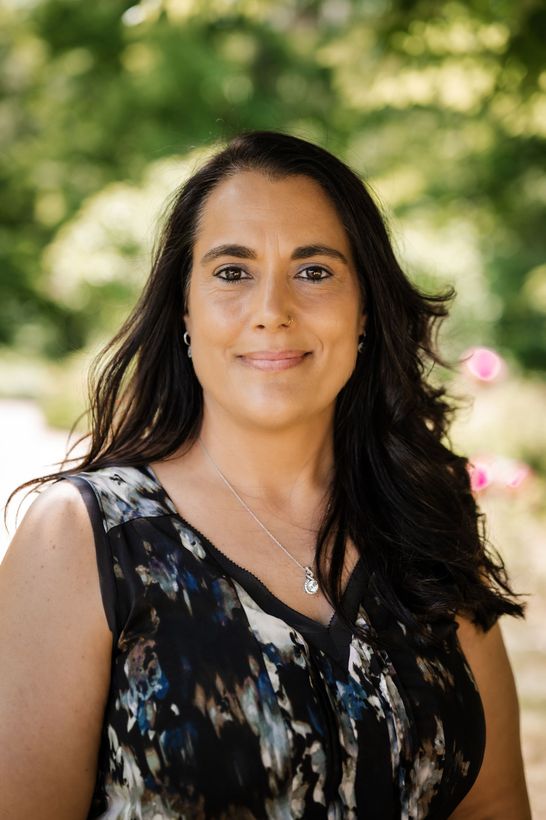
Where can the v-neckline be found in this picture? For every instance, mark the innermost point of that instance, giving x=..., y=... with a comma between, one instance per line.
x=258, y=590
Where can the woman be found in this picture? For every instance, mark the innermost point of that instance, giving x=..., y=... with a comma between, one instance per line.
x=264, y=592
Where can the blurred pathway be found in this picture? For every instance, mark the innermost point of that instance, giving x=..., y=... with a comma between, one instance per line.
x=28, y=448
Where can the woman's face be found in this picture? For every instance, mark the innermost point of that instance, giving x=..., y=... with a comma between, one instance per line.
x=274, y=319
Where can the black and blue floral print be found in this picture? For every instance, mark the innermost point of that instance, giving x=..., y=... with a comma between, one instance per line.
x=226, y=703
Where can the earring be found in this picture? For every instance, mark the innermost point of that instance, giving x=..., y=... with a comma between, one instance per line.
x=361, y=342
x=187, y=340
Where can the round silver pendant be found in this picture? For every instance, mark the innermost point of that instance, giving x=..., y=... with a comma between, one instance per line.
x=311, y=584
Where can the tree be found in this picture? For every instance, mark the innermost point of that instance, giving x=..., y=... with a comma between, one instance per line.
x=441, y=105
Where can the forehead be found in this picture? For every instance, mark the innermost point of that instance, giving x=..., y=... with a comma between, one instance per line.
x=293, y=208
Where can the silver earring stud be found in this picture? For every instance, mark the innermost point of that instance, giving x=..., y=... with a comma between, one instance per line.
x=187, y=340
x=361, y=342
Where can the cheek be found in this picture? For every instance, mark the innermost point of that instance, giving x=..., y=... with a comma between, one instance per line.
x=339, y=330
x=218, y=320
x=221, y=312
x=340, y=348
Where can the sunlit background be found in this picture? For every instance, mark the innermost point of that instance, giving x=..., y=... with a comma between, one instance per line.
x=107, y=106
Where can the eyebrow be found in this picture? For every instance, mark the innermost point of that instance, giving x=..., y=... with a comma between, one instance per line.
x=301, y=252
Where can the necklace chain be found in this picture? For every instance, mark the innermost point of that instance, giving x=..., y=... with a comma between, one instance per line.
x=311, y=584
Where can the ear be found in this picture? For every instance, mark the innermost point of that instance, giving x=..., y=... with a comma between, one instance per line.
x=187, y=322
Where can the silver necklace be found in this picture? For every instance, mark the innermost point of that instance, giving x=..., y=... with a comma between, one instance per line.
x=310, y=585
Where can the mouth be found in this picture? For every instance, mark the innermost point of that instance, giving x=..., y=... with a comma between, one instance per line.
x=274, y=360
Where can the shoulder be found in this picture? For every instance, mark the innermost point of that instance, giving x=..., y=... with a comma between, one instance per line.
x=54, y=518
x=49, y=584
x=500, y=789
x=51, y=557
x=55, y=641
x=485, y=653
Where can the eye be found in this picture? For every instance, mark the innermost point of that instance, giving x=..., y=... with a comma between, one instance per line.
x=231, y=273
x=317, y=269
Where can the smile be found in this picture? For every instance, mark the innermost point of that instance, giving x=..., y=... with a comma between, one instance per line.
x=274, y=361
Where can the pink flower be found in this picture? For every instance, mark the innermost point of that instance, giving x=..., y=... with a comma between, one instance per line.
x=483, y=364
x=480, y=476
x=496, y=471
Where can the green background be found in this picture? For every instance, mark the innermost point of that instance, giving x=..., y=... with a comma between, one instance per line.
x=105, y=107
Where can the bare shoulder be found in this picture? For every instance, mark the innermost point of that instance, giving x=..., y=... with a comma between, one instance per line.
x=500, y=789
x=55, y=650
x=53, y=546
x=57, y=504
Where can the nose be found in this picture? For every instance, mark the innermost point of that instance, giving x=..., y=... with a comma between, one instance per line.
x=273, y=304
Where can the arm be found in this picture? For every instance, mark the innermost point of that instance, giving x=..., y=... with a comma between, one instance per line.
x=55, y=648
x=499, y=792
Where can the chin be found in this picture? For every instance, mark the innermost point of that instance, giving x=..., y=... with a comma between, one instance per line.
x=275, y=415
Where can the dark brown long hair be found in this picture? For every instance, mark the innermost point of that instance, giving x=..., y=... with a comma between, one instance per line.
x=399, y=491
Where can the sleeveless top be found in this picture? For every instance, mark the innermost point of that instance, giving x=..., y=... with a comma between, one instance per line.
x=225, y=702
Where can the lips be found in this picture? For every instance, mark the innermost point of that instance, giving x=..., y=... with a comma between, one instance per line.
x=274, y=360
x=275, y=355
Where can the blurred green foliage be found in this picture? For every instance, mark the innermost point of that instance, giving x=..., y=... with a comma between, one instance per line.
x=105, y=107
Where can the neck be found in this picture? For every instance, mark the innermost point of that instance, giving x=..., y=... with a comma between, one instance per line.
x=285, y=469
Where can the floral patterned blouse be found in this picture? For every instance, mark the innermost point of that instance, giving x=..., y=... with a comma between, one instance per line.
x=225, y=702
